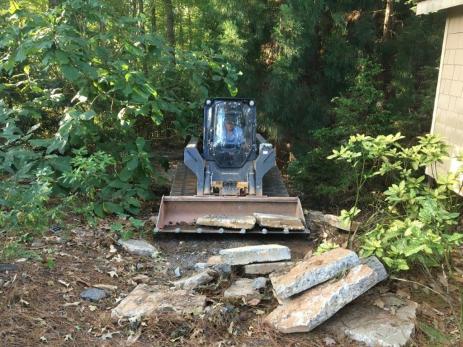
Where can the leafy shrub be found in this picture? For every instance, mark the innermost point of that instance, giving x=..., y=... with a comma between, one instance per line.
x=27, y=177
x=83, y=91
x=325, y=246
x=416, y=222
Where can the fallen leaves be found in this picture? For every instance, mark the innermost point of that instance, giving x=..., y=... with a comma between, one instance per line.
x=112, y=273
x=69, y=304
x=105, y=286
x=66, y=284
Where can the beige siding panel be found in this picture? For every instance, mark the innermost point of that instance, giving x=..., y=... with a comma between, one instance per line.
x=458, y=58
x=448, y=108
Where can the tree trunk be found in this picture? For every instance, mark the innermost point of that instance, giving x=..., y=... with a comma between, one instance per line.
x=153, y=17
x=52, y=3
x=140, y=7
x=141, y=22
x=190, y=30
x=387, y=18
x=134, y=8
x=170, y=22
x=181, y=37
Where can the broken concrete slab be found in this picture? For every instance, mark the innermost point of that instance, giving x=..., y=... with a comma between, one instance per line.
x=328, y=222
x=335, y=221
x=215, y=259
x=279, y=221
x=267, y=268
x=147, y=300
x=93, y=294
x=139, y=247
x=222, y=269
x=232, y=222
x=255, y=254
x=363, y=321
x=308, y=310
x=246, y=288
x=197, y=280
x=141, y=278
x=315, y=270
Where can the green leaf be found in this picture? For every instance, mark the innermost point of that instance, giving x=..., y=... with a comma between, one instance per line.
x=110, y=207
x=98, y=209
x=70, y=72
x=140, y=142
x=435, y=335
x=132, y=164
x=125, y=174
x=87, y=115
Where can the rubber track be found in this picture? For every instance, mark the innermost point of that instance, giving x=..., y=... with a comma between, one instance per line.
x=184, y=182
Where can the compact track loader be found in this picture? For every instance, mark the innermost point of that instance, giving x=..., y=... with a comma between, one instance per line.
x=229, y=181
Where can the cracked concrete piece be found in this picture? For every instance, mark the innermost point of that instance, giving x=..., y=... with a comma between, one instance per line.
x=391, y=326
x=315, y=270
x=138, y=247
x=195, y=281
x=147, y=300
x=255, y=254
x=308, y=310
x=246, y=288
x=279, y=221
x=222, y=269
x=266, y=268
x=232, y=222
x=317, y=220
x=215, y=259
x=93, y=294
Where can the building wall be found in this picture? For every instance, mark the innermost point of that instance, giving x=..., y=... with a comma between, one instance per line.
x=448, y=107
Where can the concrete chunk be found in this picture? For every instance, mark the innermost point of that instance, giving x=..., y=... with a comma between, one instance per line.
x=222, y=269
x=93, y=294
x=308, y=310
x=266, y=268
x=255, y=254
x=195, y=281
x=279, y=221
x=315, y=270
x=215, y=259
x=389, y=326
x=147, y=300
x=232, y=222
x=328, y=222
x=246, y=288
x=138, y=247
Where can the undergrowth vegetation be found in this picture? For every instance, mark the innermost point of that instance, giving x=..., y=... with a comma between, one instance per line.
x=84, y=91
x=413, y=222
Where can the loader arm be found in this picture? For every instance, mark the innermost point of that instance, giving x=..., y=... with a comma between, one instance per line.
x=264, y=162
x=195, y=162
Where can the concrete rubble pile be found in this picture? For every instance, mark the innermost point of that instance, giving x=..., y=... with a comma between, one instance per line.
x=309, y=292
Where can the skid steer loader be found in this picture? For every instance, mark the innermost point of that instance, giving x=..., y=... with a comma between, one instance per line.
x=229, y=178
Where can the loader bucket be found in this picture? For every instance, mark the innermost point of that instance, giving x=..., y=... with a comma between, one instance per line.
x=178, y=214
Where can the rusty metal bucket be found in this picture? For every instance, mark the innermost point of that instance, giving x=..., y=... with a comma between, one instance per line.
x=178, y=214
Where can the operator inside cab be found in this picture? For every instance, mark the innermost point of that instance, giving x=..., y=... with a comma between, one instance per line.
x=233, y=133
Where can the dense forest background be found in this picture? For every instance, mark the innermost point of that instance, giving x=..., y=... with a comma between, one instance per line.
x=92, y=92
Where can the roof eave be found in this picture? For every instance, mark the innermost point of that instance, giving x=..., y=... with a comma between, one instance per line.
x=430, y=6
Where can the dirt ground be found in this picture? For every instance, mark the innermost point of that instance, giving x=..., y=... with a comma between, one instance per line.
x=40, y=301
x=41, y=305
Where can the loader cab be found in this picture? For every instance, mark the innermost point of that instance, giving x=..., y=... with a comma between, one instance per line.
x=229, y=134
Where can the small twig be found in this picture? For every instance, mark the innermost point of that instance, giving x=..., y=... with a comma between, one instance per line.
x=80, y=280
x=424, y=286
